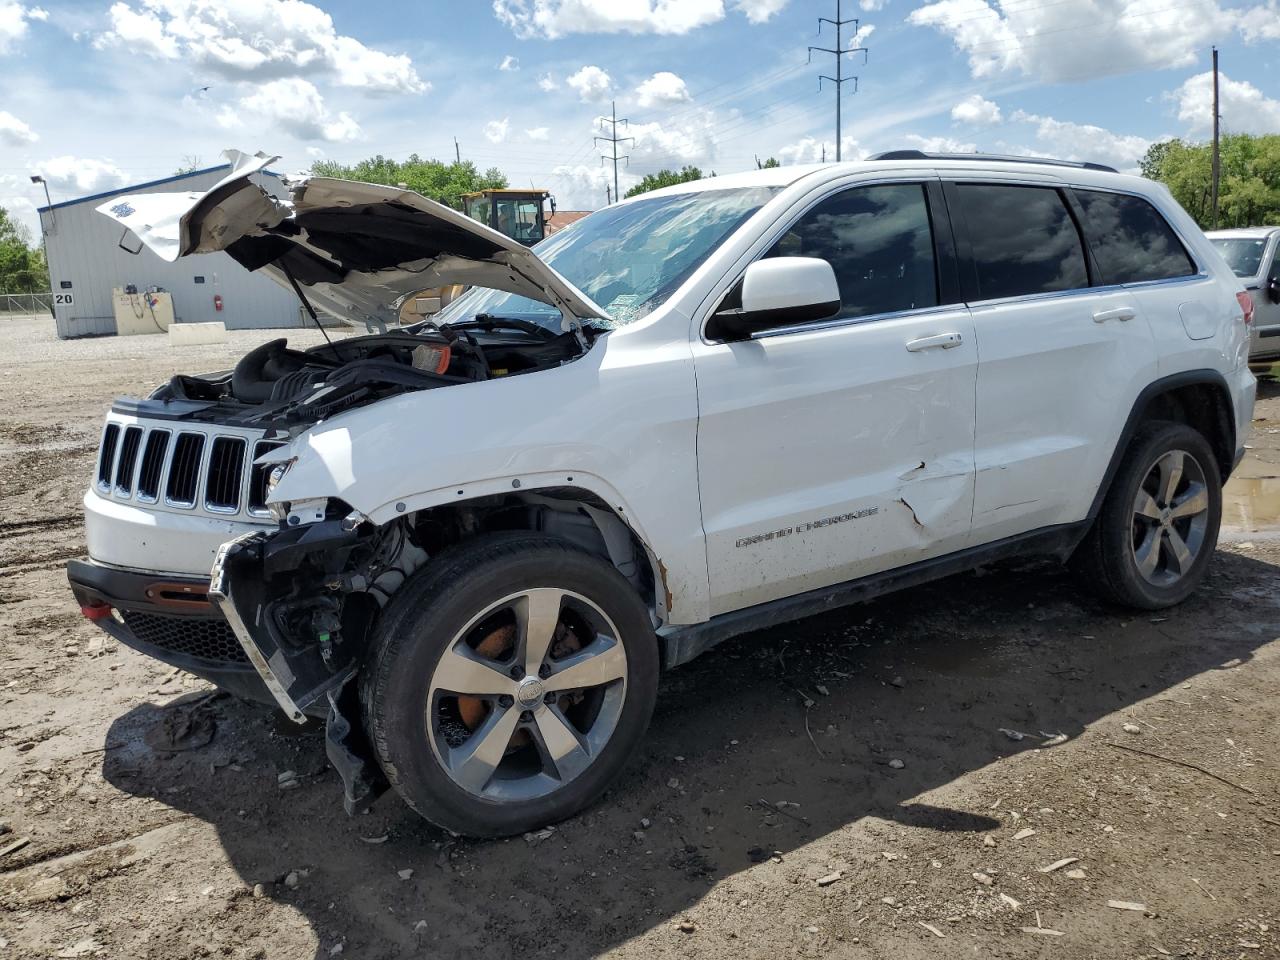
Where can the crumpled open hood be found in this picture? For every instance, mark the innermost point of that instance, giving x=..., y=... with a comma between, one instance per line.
x=356, y=249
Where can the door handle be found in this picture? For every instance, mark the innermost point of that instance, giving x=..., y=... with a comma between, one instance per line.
x=944, y=341
x=1119, y=313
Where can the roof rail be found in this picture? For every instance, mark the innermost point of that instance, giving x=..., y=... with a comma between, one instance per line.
x=921, y=155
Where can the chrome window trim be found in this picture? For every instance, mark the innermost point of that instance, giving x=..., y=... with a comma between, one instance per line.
x=1086, y=291
x=837, y=323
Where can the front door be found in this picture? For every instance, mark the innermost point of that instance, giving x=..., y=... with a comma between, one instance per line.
x=838, y=449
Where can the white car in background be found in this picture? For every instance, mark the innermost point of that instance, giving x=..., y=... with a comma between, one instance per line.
x=474, y=544
x=1253, y=254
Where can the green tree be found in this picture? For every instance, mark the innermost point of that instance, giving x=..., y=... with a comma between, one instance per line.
x=767, y=164
x=445, y=182
x=666, y=178
x=1248, y=186
x=22, y=266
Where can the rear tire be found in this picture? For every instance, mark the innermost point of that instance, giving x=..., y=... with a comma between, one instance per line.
x=1152, y=540
x=508, y=683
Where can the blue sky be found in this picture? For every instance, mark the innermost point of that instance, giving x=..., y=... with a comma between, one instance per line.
x=96, y=95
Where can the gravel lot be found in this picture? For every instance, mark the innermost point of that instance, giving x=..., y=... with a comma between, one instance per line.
x=765, y=817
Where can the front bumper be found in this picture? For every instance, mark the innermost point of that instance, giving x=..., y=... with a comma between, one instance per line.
x=171, y=620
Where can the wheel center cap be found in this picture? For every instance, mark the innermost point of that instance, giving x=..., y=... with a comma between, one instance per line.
x=530, y=691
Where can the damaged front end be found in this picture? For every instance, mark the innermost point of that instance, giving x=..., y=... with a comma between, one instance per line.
x=302, y=602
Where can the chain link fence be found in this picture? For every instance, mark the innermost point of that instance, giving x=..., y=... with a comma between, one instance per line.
x=26, y=303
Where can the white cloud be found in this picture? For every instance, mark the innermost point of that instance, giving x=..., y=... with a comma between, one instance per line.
x=13, y=132
x=1065, y=140
x=977, y=110
x=1261, y=22
x=582, y=187
x=591, y=83
x=870, y=6
x=758, y=11
x=538, y=133
x=509, y=64
x=14, y=18
x=258, y=40
x=862, y=35
x=1244, y=108
x=940, y=144
x=557, y=18
x=813, y=150
x=495, y=131
x=296, y=107
x=1056, y=42
x=691, y=140
x=79, y=176
x=662, y=89
x=547, y=83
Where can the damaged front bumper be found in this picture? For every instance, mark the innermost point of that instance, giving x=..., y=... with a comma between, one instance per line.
x=293, y=637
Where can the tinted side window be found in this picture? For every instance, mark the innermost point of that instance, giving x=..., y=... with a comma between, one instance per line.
x=1130, y=240
x=879, y=242
x=1023, y=239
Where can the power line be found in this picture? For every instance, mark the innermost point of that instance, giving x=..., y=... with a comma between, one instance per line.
x=614, y=140
x=839, y=79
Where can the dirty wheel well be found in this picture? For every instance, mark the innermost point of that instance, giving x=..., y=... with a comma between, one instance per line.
x=1206, y=408
x=571, y=514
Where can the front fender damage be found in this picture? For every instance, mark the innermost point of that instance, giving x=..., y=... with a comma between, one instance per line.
x=299, y=602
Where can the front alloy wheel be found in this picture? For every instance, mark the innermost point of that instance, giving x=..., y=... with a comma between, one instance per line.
x=527, y=694
x=508, y=682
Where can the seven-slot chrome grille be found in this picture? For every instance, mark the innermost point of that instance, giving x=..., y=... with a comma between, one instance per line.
x=184, y=467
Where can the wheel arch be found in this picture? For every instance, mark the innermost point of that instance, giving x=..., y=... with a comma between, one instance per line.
x=572, y=513
x=1199, y=398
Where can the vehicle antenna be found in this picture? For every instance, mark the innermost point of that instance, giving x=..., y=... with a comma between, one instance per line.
x=839, y=52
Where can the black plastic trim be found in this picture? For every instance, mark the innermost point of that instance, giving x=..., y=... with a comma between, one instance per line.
x=686, y=643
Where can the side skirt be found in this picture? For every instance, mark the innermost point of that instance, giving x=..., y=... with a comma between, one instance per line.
x=682, y=644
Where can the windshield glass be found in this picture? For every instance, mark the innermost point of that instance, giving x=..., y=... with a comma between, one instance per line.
x=1243, y=254
x=628, y=258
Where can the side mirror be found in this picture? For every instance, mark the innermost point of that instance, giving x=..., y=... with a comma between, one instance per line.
x=777, y=292
x=1273, y=291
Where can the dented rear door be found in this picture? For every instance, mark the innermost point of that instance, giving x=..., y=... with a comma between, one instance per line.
x=834, y=450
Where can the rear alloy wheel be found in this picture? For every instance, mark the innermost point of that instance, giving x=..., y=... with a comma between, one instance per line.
x=509, y=682
x=1152, y=540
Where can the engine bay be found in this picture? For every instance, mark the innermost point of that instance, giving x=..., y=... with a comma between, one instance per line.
x=277, y=385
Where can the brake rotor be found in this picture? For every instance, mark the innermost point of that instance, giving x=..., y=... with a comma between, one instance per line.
x=498, y=645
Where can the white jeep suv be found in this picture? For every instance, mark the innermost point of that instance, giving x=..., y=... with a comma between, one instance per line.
x=475, y=543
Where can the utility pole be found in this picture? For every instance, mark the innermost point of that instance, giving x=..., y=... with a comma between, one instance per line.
x=614, y=140
x=1216, y=163
x=839, y=79
x=608, y=196
x=457, y=150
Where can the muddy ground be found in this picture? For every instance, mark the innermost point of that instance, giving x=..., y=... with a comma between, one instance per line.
x=765, y=817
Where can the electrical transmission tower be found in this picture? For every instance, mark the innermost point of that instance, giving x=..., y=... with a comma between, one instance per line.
x=839, y=79
x=613, y=140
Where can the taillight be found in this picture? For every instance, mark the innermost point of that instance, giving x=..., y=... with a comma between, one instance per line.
x=1246, y=304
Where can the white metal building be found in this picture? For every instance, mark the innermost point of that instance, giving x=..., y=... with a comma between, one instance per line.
x=87, y=261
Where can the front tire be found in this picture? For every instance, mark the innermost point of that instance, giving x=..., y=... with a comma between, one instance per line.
x=1151, y=542
x=509, y=681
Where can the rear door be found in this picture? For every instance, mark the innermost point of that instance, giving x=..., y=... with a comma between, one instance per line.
x=828, y=451
x=1059, y=360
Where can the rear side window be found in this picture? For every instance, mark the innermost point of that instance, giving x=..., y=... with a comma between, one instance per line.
x=880, y=244
x=1130, y=240
x=1023, y=240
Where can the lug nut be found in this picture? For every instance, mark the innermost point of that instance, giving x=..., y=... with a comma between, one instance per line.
x=517, y=672
x=505, y=700
x=544, y=671
x=526, y=716
x=550, y=698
